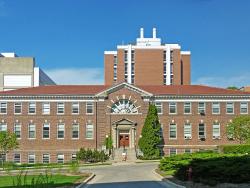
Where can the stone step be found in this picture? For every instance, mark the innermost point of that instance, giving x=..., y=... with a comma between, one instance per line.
x=131, y=155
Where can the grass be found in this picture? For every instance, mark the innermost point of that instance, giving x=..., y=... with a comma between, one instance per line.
x=59, y=180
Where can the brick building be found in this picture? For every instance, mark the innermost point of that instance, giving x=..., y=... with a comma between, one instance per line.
x=148, y=62
x=53, y=122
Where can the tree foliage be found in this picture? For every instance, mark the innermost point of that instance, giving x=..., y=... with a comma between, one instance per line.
x=150, y=136
x=8, y=142
x=239, y=129
x=233, y=88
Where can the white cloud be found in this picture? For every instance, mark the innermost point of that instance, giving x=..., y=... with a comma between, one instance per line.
x=223, y=81
x=76, y=76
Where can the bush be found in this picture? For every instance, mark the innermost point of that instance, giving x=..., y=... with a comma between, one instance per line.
x=91, y=156
x=240, y=149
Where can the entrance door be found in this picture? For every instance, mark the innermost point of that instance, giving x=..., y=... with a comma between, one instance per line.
x=124, y=140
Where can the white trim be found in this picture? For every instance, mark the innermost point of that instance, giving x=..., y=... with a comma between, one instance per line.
x=110, y=52
x=129, y=63
x=202, y=100
x=185, y=53
x=175, y=131
x=188, y=145
x=45, y=100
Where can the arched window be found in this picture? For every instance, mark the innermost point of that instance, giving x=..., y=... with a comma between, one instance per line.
x=124, y=106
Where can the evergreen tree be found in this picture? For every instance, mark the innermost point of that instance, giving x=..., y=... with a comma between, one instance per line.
x=150, y=136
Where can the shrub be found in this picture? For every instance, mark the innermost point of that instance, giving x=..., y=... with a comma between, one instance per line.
x=240, y=149
x=91, y=156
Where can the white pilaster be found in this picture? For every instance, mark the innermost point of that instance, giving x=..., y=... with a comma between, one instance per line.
x=168, y=65
x=129, y=63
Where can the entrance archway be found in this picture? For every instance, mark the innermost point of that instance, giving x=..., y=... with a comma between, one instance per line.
x=124, y=134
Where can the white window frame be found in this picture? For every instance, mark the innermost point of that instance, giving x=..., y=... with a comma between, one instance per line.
x=89, y=126
x=43, y=157
x=187, y=134
x=172, y=138
x=14, y=158
x=32, y=107
x=29, y=131
x=3, y=127
x=185, y=150
x=88, y=104
x=215, y=107
x=216, y=135
x=16, y=125
x=72, y=133
x=48, y=126
x=30, y=156
x=46, y=108
x=15, y=106
x=74, y=106
x=201, y=109
x=171, y=153
x=172, y=104
x=190, y=107
x=73, y=157
x=3, y=107
x=159, y=105
x=201, y=136
x=60, y=157
x=227, y=107
x=244, y=108
x=60, y=108
x=58, y=129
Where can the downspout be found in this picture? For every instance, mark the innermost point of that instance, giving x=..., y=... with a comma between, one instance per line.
x=96, y=142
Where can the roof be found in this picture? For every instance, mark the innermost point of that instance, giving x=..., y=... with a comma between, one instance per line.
x=94, y=89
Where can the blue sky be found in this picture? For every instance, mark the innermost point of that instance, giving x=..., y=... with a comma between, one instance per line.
x=68, y=37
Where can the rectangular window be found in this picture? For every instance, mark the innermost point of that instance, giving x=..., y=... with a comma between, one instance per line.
x=172, y=108
x=158, y=105
x=164, y=55
x=115, y=67
x=46, y=108
x=132, y=55
x=73, y=157
x=60, y=131
x=126, y=68
x=171, y=55
x=32, y=131
x=244, y=108
x=17, y=158
x=75, y=131
x=171, y=79
x=75, y=108
x=60, y=108
x=3, y=108
x=89, y=131
x=230, y=107
x=31, y=158
x=125, y=55
x=171, y=69
x=187, y=150
x=3, y=127
x=89, y=108
x=165, y=79
x=187, y=131
x=201, y=108
x=215, y=108
x=46, y=158
x=60, y=158
x=172, y=131
x=164, y=68
x=18, y=108
x=187, y=108
x=172, y=151
x=17, y=130
x=216, y=130
x=201, y=131
x=2, y=158
x=46, y=131
x=132, y=79
x=32, y=108
x=132, y=68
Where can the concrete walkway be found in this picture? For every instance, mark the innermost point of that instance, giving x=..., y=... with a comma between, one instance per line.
x=123, y=175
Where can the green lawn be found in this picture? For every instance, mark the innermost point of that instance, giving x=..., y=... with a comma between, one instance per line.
x=59, y=180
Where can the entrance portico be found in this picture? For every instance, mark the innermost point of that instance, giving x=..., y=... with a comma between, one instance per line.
x=124, y=134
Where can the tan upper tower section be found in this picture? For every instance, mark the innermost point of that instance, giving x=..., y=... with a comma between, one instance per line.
x=148, y=62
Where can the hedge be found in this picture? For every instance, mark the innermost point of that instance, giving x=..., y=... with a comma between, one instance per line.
x=240, y=149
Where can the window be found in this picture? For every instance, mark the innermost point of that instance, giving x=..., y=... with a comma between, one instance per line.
x=187, y=150
x=17, y=108
x=132, y=79
x=164, y=55
x=32, y=108
x=171, y=55
x=75, y=108
x=161, y=131
x=216, y=108
x=165, y=79
x=89, y=108
x=17, y=158
x=60, y=158
x=3, y=127
x=31, y=158
x=201, y=108
x=201, y=130
x=172, y=151
x=158, y=105
x=73, y=157
x=172, y=108
x=125, y=68
x=244, y=108
x=172, y=131
x=115, y=67
x=2, y=158
x=3, y=108
x=75, y=131
x=132, y=68
x=125, y=55
x=60, y=131
x=164, y=68
x=230, y=107
x=187, y=131
x=46, y=131
x=89, y=131
x=17, y=130
x=46, y=108
x=171, y=79
x=32, y=131
x=46, y=158
x=216, y=130
x=187, y=107
x=60, y=108
x=171, y=69
x=132, y=55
